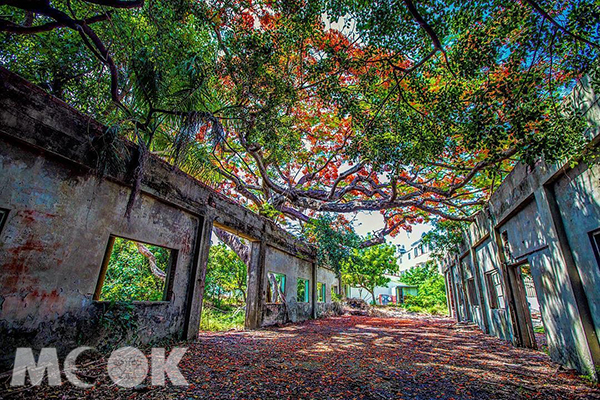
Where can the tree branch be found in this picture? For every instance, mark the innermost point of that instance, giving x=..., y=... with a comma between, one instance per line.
x=10, y=27
x=561, y=28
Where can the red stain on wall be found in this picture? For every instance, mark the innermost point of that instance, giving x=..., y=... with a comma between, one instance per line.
x=25, y=250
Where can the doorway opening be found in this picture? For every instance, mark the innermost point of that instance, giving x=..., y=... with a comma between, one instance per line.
x=530, y=330
x=225, y=290
x=534, y=307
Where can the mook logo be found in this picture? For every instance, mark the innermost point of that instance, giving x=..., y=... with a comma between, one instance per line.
x=127, y=367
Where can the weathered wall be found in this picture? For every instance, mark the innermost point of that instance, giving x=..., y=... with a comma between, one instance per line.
x=327, y=277
x=578, y=196
x=567, y=292
x=294, y=268
x=54, y=241
x=547, y=214
x=65, y=195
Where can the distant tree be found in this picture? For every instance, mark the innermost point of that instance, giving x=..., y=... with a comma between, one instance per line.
x=366, y=267
x=419, y=274
x=334, y=238
x=431, y=289
x=445, y=237
x=226, y=273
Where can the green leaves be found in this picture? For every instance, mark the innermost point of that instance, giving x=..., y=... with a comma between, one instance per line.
x=366, y=268
x=335, y=243
x=225, y=274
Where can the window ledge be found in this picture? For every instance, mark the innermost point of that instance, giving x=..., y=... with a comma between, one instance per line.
x=134, y=302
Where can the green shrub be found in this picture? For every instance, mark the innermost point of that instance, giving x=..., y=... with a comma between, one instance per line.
x=431, y=294
x=128, y=276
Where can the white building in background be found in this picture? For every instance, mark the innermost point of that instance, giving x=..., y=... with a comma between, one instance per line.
x=395, y=291
x=418, y=254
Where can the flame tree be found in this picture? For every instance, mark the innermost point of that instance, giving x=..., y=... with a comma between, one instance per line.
x=304, y=107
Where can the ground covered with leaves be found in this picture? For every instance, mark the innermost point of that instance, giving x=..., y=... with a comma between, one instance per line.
x=351, y=357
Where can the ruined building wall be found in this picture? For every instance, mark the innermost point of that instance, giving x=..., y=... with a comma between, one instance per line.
x=62, y=197
x=543, y=218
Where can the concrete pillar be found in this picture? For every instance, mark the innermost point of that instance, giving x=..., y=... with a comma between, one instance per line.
x=255, y=295
x=196, y=282
x=449, y=294
x=584, y=335
x=455, y=294
x=464, y=290
x=459, y=291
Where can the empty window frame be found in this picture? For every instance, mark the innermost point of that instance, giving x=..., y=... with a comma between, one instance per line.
x=334, y=291
x=321, y=292
x=135, y=271
x=303, y=291
x=275, y=288
x=494, y=289
x=347, y=291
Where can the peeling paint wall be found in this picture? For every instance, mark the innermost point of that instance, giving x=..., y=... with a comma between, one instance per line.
x=53, y=243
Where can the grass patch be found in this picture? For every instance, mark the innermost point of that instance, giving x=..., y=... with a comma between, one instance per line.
x=435, y=309
x=539, y=329
x=222, y=319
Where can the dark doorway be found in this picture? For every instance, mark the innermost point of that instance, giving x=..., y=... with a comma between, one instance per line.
x=525, y=304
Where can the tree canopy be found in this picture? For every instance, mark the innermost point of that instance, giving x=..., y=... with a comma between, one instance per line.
x=303, y=107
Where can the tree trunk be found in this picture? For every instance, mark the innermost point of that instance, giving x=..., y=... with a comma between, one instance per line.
x=157, y=272
x=234, y=243
x=373, y=302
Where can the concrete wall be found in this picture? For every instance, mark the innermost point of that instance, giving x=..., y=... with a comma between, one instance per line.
x=327, y=277
x=53, y=245
x=65, y=196
x=578, y=196
x=547, y=220
x=546, y=214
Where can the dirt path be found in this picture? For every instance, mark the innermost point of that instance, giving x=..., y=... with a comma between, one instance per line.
x=355, y=357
